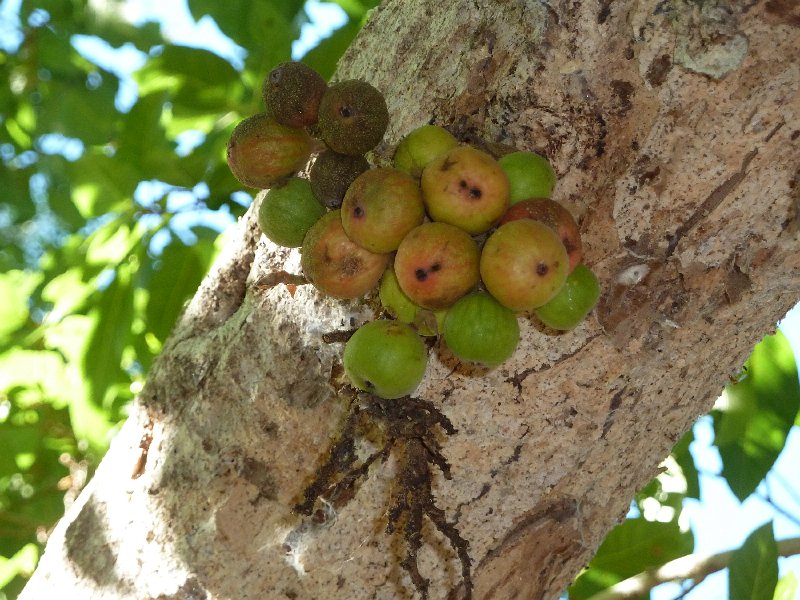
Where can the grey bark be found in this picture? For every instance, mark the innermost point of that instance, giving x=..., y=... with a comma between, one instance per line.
x=673, y=127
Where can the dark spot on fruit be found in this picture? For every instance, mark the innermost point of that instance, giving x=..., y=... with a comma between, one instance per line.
x=351, y=265
x=436, y=267
x=276, y=75
x=421, y=274
x=475, y=193
x=358, y=212
x=542, y=269
x=369, y=384
x=446, y=165
x=462, y=183
x=346, y=112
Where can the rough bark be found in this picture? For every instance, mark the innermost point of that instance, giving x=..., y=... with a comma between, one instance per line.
x=673, y=127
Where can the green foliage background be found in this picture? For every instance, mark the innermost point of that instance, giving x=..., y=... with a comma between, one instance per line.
x=106, y=230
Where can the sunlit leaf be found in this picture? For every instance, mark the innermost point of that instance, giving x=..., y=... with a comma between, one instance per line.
x=265, y=29
x=107, y=342
x=355, y=9
x=787, y=588
x=685, y=461
x=40, y=370
x=244, y=21
x=179, y=272
x=15, y=289
x=754, y=416
x=112, y=242
x=630, y=548
x=67, y=293
x=753, y=568
x=21, y=563
x=102, y=183
x=198, y=80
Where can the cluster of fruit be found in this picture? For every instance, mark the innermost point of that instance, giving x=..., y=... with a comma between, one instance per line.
x=444, y=221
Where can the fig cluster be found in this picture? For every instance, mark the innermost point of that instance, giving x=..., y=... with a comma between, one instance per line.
x=459, y=243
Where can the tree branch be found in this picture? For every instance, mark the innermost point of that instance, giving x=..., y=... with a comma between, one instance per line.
x=691, y=566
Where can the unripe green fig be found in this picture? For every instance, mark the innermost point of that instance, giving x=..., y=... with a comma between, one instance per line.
x=479, y=329
x=529, y=175
x=286, y=213
x=576, y=299
x=394, y=299
x=262, y=152
x=396, y=303
x=385, y=358
x=420, y=147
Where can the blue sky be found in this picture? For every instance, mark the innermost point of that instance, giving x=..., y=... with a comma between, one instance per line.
x=720, y=523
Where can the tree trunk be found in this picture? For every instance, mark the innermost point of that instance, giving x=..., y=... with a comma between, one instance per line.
x=673, y=127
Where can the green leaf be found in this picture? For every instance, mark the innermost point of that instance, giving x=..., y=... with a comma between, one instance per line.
x=110, y=336
x=101, y=183
x=685, y=461
x=188, y=70
x=753, y=569
x=325, y=56
x=69, y=107
x=252, y=25
x=630, y=548
x=355, y=9
x=265, y=29
x=755, y=415
x=55, y=52
x=637, y=544
x=41, y=371
x=117, y=31
x=16, y=195
x=66, y=293
x=55, y=168
x=111, y=243
x=15, y=289
x=787, y=587
x=22, y=563
x=176, y=278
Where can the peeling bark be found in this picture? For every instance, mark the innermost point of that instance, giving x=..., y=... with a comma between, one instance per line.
x=673, y=127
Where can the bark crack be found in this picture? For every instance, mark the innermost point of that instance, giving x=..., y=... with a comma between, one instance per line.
x=713, y=200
